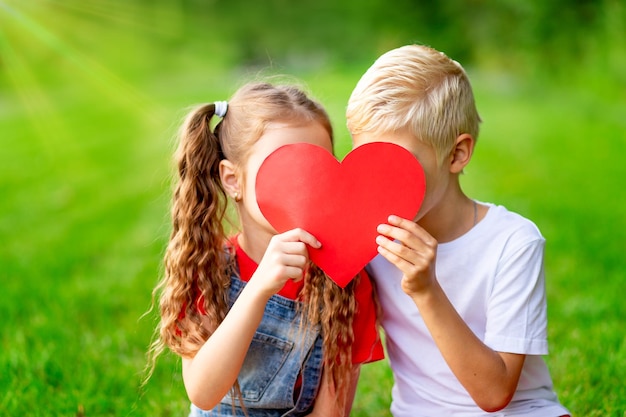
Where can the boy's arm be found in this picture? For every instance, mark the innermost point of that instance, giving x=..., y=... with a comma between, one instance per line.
x=489, y=377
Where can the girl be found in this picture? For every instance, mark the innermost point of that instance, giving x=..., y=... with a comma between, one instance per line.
x=261, y=331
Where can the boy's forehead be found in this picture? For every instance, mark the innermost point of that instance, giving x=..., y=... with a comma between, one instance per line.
x=402, y=138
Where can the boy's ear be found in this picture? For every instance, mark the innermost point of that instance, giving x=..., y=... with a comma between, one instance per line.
x=230, y=179
x=461, y=153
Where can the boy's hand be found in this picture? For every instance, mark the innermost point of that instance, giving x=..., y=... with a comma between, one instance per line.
x=285, y=258
x=414, y=253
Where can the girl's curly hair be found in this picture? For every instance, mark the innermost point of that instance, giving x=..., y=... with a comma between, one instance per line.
x=199, y=261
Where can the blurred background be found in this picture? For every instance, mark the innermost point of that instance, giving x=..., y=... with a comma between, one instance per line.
x=92, y=91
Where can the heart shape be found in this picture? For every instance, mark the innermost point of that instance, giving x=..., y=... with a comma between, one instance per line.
x=341, y=204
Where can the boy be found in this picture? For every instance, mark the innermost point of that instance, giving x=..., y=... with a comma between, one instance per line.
x=462, y=285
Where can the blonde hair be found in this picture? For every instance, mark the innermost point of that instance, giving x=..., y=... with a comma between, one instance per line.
x=199, y=259
x=417, y=88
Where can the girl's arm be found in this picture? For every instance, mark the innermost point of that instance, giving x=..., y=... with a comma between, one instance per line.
x=212, y=372
x=489, y=377
x=326, y=404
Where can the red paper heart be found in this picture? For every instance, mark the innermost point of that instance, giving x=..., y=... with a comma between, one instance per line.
x=341, y=204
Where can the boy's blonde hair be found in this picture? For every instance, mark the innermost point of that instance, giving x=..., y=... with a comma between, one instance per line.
x=417, y=88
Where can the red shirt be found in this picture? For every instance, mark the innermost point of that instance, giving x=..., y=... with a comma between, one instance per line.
x=367, y=346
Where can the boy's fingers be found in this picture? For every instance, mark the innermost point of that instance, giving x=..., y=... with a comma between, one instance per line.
x=399, y=250
x=401, y=263
x=406, y=231
x=400, y=221
x=406, y=237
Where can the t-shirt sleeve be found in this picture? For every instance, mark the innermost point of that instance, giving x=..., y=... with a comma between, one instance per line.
x=517, y=310
x=367, y=345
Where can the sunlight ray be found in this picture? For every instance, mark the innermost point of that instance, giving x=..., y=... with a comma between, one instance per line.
x=48, y=125
x=108, y=83
x=115, y=12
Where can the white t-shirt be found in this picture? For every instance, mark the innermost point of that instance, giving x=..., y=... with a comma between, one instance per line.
x=494, y=277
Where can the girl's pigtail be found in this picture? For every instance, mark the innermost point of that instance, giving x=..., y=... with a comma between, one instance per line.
x=336, y=319
x=195, y=257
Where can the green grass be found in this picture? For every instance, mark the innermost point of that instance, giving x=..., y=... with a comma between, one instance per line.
x=85, y=160
x=553, y=155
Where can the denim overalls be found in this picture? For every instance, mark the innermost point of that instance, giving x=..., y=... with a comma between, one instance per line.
x=279, y=350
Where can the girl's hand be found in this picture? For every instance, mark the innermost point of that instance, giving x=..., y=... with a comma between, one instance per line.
x=285, y=258
x=211, y=373
x=414, y=253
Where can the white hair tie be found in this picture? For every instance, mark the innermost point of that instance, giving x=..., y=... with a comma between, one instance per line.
x=221, y=107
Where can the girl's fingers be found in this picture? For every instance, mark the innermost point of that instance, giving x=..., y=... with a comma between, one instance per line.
x=295, y=274
x=292, y=266
x=301, y=235
x=294, y=260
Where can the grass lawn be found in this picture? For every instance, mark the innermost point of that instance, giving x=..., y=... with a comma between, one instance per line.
x=85, y=163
